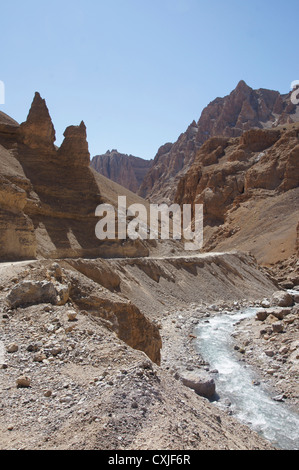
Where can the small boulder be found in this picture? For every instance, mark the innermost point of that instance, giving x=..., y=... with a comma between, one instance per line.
x=199, y=381
x=284, y=350
x=265, y=303
x=39, y=357
x=261, y=315
x=56, y=271
x=286, y=284
x=282, y=299
x=32, y=293
x=12, y=348
x=56, y=350
x=277, y=327
x=23, y=382
x=63, y=293
x=280, y=312
x=269, y=353
x=72, y=315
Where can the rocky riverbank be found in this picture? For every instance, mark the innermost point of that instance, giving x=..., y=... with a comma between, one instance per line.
x=67, y=382
x=270, y=343
x=70, y=379
x=180, y=353
x=267, y=342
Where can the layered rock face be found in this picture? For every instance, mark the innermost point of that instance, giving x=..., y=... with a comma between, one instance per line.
x=126, y=170
x=49, y=195
x=74, y=149
x=230, y=116
x=16, y=228
x=65, y=194
x=249, y=188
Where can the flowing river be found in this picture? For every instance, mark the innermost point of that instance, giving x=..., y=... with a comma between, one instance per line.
x=251, y=404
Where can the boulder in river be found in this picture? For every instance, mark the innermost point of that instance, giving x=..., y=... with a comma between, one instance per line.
x=282, y=299
x=199, y=381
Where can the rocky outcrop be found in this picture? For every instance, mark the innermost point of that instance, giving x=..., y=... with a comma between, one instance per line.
x=37, y=131
x=6, y=120
x=17, y=239
x=32, y=292
x=231, y=175
x=200, y=382
x=49, y=195
x=8, y=128
x=227, y=168
x=282, y=299
x=126, y=170
x=74, y=149
x=228, y=117
x=38, y=292
x=64, y=192
x=278, y=168
x=126, y=320
x=91, y=291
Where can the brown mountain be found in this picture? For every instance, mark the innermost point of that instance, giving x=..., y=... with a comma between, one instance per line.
x=230, y=116
x=249, y=188
x=126, y=170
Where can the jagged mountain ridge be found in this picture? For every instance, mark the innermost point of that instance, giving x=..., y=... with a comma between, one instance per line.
x=230, y=116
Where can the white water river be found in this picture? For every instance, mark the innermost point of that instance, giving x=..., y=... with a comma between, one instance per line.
x=250, y=404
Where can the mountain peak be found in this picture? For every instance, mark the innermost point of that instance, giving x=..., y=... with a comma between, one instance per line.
x=242, y=85
x=243, y=109
x=38, y=130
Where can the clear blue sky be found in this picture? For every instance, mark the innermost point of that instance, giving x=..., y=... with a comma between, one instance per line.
x=139, y=71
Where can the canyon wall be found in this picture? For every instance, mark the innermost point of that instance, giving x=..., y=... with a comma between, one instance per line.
x=49, y=195
x=126, y=170
x=248, y=186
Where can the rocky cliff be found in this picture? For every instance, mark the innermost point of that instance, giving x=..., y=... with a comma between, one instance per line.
x=126, y=170
x=248, y=186
x=49, y=195
x=71, y=376
x=16, y=228
x=230, y=116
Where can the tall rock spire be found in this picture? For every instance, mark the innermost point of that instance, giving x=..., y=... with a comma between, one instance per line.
x=38, y=130
x=74, y=148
